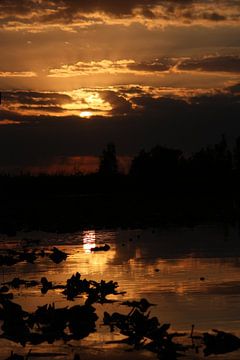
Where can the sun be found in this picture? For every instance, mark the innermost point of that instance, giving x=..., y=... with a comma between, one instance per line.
x=86, y=114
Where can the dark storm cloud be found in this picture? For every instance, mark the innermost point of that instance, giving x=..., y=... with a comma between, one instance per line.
x=120, y=105
x=23, y=102
x=230, y=63
x=212, y=63
x=214, y=16
x=71, y=11
x=51, y=109
x=23, y=119
x=9, y=115
x=35, y=98
x=158, y=105
x=154, y=66
x=235, y=89
x=68, y=8
x=112, y=67
x=130, y=90
x=217, y=101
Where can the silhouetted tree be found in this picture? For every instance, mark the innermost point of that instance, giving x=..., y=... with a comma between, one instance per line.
x=165, y=160
x=237, y=154
x=141, y=164
x=223, y=157
x=158, y=162
x=108, y=161
x=210, y=169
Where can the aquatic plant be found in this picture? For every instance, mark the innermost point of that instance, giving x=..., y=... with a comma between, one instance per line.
x=13, y=257
x=220, y=342
x=47, y=323
x=105, y=247
x=57, y=255
x=144, y=332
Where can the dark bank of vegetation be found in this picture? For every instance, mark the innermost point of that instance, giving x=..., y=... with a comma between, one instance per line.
x=163, y=186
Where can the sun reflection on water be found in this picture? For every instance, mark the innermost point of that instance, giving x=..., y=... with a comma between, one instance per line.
x=89, y=241
x=98, y=262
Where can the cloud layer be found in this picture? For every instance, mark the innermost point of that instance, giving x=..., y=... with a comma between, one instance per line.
x=75, y=75
x=220, y=64
x=141, y=117
x=86, y=13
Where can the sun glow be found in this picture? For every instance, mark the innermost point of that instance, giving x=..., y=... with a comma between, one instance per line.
x=86, y=114
x=86, y=103
x=89, y=241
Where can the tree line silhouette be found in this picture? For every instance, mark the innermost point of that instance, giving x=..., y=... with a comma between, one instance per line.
x=208, y=169
x=163, y=185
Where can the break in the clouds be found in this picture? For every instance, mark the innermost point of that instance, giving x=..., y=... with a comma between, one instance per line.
x=71, y=13
x=212, y=64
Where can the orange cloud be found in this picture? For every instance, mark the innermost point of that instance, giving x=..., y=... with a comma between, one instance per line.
x=226, y=64
x=10, y=74
x=37, y=15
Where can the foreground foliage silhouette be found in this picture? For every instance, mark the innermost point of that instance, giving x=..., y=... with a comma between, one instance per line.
x=140, y=330
x=13, y=257
x=47, y=323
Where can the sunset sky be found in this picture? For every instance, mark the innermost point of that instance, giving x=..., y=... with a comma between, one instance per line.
x=77, y=74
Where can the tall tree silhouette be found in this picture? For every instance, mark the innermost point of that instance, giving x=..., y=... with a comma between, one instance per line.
x=158, y=162
x=108, y=161
x=237, y=154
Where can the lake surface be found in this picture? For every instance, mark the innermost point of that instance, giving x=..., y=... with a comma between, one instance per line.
x=191, y=274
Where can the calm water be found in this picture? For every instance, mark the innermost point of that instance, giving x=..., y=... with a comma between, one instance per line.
x=164, y=266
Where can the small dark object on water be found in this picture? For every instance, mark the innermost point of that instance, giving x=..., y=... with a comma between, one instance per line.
x=15, y=357
x=19, y=357
x=221, y=343
x=46, y=285
x=192, y=336
x=143, y=305
x=57, y=256
x=202, y=278
x=76, y=357
x=157, y=270
x=4, y=289
x=17, y=282
x=31, y=241
x=105, y=247
x=8, y=260
x=42, y=253
x=7, y=296
x=29, y=257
